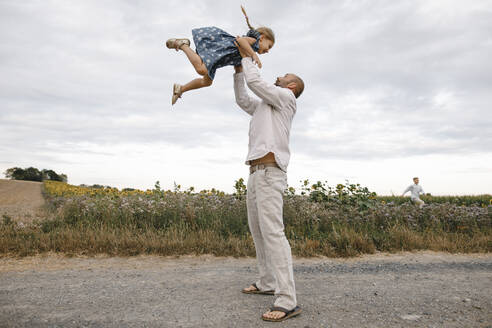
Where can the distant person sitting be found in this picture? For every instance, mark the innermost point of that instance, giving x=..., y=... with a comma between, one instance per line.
x=415, y=191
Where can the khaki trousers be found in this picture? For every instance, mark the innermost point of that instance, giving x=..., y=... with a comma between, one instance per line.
x=265, y=218
x=418, y=201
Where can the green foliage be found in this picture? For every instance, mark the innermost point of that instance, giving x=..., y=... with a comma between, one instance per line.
x=50, y=225
x=7, y=220
x=290, y=192
x=240, y=189
x=96, y=186
x=33, y=174
x=343, y=194
x=478, y=200
x=52, y=175
x=342, y=221
x=345, y=220
x=30, y=173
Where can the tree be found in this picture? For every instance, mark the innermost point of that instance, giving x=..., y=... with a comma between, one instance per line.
x=51, y=175
x=13, y=173
x=33, y=174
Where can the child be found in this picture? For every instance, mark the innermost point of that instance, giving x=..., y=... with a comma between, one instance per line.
x=215, y=48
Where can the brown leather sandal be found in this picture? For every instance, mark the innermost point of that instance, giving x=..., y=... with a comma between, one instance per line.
x=176, y=93
x=177, y=43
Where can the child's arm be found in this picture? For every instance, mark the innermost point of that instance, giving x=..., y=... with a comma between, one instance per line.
x=245, y=43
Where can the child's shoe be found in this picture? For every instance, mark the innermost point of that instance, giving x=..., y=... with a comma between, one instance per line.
x=177, y=43
x=176, y=93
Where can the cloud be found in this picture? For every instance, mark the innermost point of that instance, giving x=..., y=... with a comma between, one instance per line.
x=384, y=79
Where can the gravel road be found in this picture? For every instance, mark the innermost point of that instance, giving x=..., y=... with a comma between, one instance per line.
x=403, y=290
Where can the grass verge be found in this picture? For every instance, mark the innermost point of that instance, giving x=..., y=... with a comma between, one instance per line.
x=179, y=224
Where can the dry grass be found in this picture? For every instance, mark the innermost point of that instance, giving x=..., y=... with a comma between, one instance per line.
x=31, y=241
x=177, y=223
x=126, y=242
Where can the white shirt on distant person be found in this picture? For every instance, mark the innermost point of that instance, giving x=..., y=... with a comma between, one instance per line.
x=415, y=191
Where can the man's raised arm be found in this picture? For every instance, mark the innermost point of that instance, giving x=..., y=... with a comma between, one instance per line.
x=270, y=93
x=244, y=101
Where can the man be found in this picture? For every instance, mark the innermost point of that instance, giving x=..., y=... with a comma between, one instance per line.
x=268, y=157
x=415, y=191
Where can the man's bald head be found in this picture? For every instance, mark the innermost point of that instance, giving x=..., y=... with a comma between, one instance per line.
x=299, y=84
x=291, y=82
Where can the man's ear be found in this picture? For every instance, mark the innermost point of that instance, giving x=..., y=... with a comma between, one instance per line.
x=292, y=86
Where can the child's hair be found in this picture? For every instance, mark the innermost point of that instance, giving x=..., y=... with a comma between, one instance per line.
x=266, y=31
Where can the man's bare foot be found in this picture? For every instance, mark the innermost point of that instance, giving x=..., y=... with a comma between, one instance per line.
x=275, y=315
x=253, y=289
x=250, y=289
x=280, y=314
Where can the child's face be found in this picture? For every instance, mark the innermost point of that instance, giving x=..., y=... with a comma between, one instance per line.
x=265, y=45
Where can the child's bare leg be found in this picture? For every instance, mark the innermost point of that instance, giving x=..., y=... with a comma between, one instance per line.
x=203, y=82
x=195, y=60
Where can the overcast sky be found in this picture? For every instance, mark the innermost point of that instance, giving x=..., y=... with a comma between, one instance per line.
x=394, y=89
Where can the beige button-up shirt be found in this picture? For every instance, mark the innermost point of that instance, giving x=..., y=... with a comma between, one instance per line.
x=415, y=191
x=272, y=114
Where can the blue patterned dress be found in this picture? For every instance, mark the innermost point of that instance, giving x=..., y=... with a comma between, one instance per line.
x=216, y=47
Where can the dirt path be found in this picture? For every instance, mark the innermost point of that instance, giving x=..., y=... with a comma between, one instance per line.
x=21, y=200
x=404, y=290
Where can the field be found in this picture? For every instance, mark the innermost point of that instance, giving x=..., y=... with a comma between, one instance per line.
x=338, y=222
x=480, y=200
x=21, y=199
